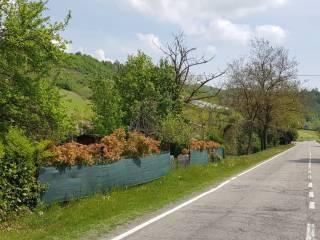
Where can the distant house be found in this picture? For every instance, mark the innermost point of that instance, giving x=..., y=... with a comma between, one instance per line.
x=203, y=104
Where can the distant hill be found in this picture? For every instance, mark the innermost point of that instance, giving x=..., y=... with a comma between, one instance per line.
x=78, y=70
x=74, y=77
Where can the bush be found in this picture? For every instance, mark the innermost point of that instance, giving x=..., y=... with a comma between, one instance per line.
x=18, y=185
x=175, y=130
x=203, y=145
x=71, y=154
x=112, y=148
x=114, y=145
x=139, y=145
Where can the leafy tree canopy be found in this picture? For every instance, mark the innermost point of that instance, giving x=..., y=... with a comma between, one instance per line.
x=30, y=44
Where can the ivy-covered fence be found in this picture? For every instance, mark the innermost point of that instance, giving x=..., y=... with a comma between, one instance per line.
x=64, y=184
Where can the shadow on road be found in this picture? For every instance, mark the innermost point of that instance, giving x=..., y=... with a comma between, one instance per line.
x=305, y=160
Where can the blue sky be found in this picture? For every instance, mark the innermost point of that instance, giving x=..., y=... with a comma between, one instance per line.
x=110, y=29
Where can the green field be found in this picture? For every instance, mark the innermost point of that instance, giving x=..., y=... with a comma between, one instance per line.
x=77, y=107
x=308, y=135
x=90, y=217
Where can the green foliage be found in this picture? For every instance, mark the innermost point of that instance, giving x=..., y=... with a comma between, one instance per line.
x=29, y=47
x=215, y=138
x=311, y=103
x=2, y=151
x=43, y=152
x=18, y=185
x=176, y=130
x=145, y=90
x=308, y=135
x=106, y=104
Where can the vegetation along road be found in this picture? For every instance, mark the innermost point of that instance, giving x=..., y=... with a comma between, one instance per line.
x=170, y=141
x=276, y=199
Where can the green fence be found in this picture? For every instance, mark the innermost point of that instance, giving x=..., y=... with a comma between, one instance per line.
x=79, y=181
x=202, y=157
x=199, y=157
x=220, y=152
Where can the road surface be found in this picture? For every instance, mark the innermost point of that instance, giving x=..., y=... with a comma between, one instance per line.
x=276, y=200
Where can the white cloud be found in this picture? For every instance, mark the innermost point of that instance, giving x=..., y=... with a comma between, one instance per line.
x=101, y=56
x=270, y=32
x=150, y=40
x=179, y=10
x=230, y=31
x=212, y=19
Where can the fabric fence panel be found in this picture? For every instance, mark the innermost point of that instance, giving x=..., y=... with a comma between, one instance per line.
x=220, y=152
x=78, y=181
x=199, y=157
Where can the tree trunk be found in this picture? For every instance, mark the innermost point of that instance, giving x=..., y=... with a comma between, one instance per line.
x=249, y=142
x=264, y=138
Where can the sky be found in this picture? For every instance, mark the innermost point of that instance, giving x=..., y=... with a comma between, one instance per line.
x=113, y=29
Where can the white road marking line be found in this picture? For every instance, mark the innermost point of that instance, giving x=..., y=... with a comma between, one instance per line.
x=165, y=214
x=312, y=205
x=310, y=232
x=233, y=178
x=310, y=227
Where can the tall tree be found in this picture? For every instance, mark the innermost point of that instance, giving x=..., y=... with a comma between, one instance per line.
x=30, y=45
x=265, y=88
x=145, y=90
x=242, y=96
x=106, y=104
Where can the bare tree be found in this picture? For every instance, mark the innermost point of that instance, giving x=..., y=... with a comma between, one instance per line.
x=183, y=61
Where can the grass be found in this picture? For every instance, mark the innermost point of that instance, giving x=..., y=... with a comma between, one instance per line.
x=77, y=107
x=90, y=217
x=308, y=135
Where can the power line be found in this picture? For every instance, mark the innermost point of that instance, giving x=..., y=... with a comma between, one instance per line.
x=308, y=75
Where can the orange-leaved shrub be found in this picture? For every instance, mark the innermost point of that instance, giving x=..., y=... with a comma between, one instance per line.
x=114, y=145
x=138, y=145
x=203, y=145
x=70, y=154
x=112, y=148
x=212, y=145
x=96, y=150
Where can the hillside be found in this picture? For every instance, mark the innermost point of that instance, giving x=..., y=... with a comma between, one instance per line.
x=74, y=77
x=77, y=106
x=77, y=72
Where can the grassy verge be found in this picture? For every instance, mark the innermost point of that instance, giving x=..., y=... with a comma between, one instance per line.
x=101, y=213
x=308, y=135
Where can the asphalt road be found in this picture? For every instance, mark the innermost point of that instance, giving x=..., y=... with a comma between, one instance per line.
x=276, y=200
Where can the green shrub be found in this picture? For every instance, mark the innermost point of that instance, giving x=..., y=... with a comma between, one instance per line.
x=18, y=186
